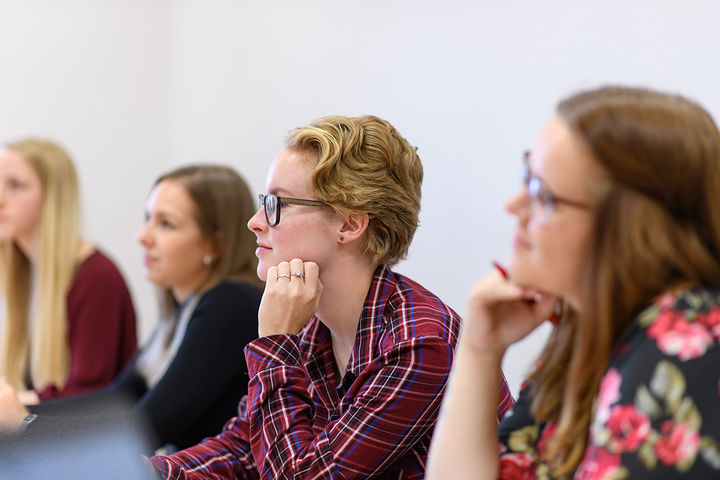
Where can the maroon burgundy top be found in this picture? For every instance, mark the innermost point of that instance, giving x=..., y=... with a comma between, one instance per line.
x=101, y=328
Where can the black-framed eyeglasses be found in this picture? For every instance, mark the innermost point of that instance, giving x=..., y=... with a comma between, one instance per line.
x=272, y=204
x=542, y=201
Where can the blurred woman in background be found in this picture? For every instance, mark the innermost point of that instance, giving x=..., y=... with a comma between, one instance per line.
x=187, y=381
x=68, y=323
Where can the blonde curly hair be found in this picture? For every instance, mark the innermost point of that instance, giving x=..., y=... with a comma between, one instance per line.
x=365, y=166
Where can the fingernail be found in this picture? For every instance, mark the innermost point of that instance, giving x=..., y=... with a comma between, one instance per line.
x=500, y=269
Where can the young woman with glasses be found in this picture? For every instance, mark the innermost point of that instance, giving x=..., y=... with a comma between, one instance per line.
x=352, y=359
x=619, y=223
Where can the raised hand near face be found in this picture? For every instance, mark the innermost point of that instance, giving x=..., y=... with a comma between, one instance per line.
x=501, y=313
x=291, y=298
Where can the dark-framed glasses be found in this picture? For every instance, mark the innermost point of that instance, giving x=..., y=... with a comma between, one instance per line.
x=541, y=200
x=272, y=204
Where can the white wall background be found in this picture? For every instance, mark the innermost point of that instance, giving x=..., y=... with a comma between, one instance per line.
x=135, y=87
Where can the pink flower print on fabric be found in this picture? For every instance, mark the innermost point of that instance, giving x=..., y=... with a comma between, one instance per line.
x=517, y=466
x=711, y=321
x=629, y=427
x=608, y=393
x=677, y=442
x=598, y=464
x=666, y=300
x=676, y=336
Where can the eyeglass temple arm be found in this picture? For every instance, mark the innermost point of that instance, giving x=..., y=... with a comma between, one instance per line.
x=299, y=201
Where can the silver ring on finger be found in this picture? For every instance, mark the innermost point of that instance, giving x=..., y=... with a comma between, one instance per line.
x=283, y=275
x=297, y=274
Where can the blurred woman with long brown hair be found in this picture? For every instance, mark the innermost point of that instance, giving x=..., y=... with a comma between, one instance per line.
x=618, y=230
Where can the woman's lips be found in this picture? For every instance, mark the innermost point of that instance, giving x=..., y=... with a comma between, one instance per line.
x=518, y=242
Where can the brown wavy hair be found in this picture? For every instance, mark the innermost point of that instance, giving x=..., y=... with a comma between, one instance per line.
x=656, y=228
x=365, y=165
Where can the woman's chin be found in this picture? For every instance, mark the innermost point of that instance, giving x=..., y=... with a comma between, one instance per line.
x=262, y=272
x=521, y=275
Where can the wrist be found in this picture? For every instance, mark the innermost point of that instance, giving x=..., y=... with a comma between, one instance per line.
x=480, y=346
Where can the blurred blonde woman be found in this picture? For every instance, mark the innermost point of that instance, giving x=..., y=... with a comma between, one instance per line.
x=68, y=323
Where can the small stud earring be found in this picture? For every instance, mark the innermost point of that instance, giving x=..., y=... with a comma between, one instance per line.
x=207, y=259
x=341, y=238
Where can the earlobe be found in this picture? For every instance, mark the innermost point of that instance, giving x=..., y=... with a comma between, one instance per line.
x=353, y=227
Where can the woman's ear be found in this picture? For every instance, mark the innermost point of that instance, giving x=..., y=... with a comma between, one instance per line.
x=353, y=227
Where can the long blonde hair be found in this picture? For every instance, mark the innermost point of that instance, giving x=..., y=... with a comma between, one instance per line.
x=39, y=289
x=656, y=228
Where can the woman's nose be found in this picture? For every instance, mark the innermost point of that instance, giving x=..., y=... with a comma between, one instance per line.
x=142, y=236
x=257, y=222
x=517, y=204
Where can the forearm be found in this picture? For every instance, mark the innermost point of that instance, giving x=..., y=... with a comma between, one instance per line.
x=465, y=440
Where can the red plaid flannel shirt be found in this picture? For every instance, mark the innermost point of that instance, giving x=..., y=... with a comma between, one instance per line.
x=299, y=422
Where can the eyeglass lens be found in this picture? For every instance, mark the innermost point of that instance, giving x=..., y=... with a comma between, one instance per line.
x=270, y=205
x=540, y=199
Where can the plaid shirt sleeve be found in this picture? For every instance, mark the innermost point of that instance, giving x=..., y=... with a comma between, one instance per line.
x=379, y=429
x=225, y=456
x=392, y=409
x=284, y=439
x=506, y=399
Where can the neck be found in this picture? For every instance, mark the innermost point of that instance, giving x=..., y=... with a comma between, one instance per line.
x=28, y=245
x=181, y=294
x=84, y=251
x=345, y=287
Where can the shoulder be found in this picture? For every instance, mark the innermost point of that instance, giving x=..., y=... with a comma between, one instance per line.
x=414, y=311
x=228, y=293
x=99, y=295
x=229, y=299
x=96, y=267
x=97, y=276
x=675, y=342
x=684, y=324
x=226, y=311
x=662, y=383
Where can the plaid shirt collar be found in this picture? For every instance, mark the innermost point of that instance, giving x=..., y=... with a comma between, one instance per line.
x=316, y=342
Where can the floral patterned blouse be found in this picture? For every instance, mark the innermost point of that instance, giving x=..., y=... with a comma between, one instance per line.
x=657, y=413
